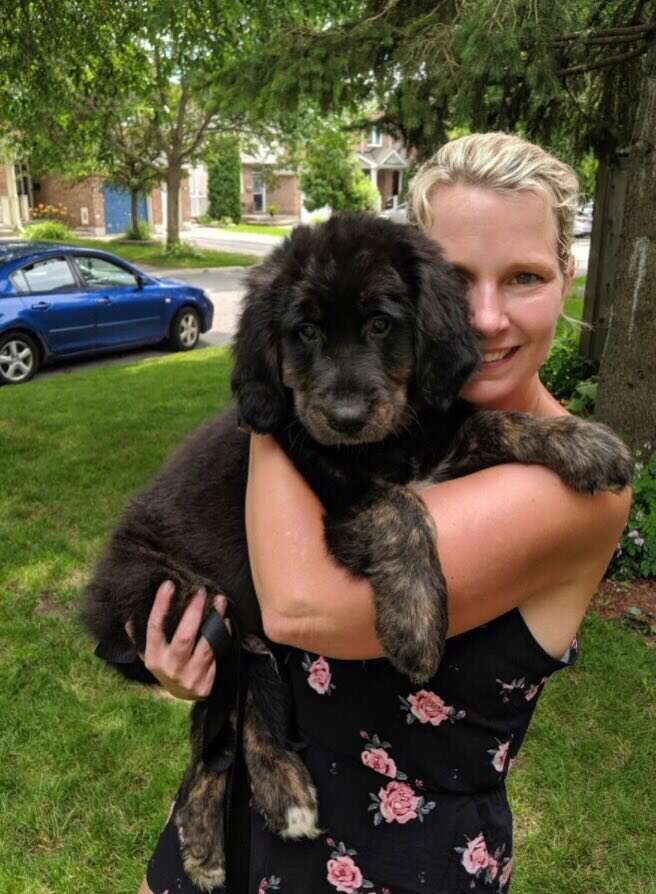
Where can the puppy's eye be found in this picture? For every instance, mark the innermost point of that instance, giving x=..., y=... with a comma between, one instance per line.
x=308, y=333
x=379, y=326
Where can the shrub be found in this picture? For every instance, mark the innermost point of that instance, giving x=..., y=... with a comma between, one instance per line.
x=182, y=250
x=330, y=175
x=584, y=398
x=223, y=179
x=565, y=367
x=142, y=234
x=205, y=219
x=636, y=554
x=273, y=210
x=49, y=229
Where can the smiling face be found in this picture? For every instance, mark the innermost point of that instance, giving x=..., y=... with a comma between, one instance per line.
x=506, y=247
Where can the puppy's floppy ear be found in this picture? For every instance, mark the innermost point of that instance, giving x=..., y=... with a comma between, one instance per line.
x=447, y=346
x=256, y=381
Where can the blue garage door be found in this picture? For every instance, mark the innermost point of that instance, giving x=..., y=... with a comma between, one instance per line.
x=117, y=209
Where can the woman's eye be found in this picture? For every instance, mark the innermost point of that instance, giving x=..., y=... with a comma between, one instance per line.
x=379, y=326
x=308, y=332
x=526, y=279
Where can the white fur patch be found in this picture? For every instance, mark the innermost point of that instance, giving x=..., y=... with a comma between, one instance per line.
x=301, y=823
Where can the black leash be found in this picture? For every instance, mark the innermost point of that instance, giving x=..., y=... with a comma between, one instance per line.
x=232, y=677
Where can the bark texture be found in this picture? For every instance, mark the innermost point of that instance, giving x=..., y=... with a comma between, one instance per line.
x=627, y=387
x=173, y=181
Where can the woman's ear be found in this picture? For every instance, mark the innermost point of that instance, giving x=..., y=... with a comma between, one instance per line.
x=256, y=380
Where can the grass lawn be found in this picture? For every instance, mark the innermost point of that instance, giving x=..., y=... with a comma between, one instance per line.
x=155, y=255
x=90, y=763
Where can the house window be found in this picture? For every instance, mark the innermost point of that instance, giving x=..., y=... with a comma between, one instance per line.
x=375, y=137
x=259, y=192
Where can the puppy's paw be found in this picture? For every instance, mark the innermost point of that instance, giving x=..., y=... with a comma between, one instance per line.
x=419, y=661
x=284, y=794
x=199, y=822
x=598, y=460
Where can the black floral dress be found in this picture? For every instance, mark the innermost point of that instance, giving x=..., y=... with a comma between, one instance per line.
x=411, y=780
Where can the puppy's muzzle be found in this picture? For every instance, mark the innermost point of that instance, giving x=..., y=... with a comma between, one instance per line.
x=348, y=417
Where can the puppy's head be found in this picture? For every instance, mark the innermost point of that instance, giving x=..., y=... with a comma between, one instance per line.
x=354, y=324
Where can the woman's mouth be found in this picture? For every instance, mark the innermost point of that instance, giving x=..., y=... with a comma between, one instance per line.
x=497, y=358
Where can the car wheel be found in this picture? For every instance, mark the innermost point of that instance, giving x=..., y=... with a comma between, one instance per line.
x=185, y=329
x=19, y=358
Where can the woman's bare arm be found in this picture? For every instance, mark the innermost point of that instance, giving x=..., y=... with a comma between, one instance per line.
x=507, y=536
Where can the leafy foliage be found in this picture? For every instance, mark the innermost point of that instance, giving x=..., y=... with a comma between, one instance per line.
x=223, y=172
x=141, y=234
x=565, y=368
x=636, y=554
x=48, y=229
x=330, y=175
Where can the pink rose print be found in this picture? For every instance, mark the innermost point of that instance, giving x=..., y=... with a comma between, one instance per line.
x=319, y=676
x=499, y=756
x=380, y=761
x=398, y=803
x=477, y=860
x=343, y=872
x=269, y=884
x=533, y=690
x=504, y=878
x=428, y=707
x=475, y=856
x=344, y=875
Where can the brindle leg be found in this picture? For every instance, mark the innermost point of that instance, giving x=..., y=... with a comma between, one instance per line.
x=587, y=456
x=389, y=538
x=199, y=820
x=280, y=782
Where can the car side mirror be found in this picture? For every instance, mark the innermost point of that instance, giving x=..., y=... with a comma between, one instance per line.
x=140, y=281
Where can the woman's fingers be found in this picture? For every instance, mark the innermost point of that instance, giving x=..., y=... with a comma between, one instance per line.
x=185, y=666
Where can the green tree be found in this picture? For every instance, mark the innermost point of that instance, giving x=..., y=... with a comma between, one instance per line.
x=331, y=176
x=156, y=64
x=223, y=171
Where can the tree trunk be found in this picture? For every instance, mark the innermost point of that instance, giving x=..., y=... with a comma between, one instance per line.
x=604, y=253
x=134, y=200
x=173, y=181
x=627, y=386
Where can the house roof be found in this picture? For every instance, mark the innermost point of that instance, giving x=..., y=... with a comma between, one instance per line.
x=382, y=157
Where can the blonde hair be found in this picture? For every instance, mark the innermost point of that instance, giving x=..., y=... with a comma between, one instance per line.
x=506, y=163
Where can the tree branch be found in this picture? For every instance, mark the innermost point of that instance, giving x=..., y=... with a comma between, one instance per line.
x=605, y=63
x=630, y=30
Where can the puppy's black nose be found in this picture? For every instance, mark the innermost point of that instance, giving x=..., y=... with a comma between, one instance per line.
x=348, y=417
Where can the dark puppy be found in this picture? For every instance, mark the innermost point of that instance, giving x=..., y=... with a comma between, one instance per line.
x=352, y=348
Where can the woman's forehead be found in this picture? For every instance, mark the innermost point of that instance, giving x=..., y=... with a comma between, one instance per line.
x=470, y=220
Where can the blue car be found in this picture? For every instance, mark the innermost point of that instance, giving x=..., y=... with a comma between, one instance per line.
x=59, y=301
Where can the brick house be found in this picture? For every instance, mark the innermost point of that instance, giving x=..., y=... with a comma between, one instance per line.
x=99, y=209
x=379, y=155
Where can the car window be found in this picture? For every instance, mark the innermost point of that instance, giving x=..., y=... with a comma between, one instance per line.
x=98, y=273
x=51, y=275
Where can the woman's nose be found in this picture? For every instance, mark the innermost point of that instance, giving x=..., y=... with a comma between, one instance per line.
x=487, y=309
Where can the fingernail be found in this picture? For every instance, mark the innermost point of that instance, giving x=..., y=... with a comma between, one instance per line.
x=169, y=587
x=220, y=604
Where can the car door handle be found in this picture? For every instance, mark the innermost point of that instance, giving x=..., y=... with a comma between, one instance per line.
x=40, y=305
x=103, y=300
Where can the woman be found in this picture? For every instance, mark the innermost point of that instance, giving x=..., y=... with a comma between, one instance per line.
x=411, y=780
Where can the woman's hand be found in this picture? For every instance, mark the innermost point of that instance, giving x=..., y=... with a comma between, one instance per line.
x=184, y=667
